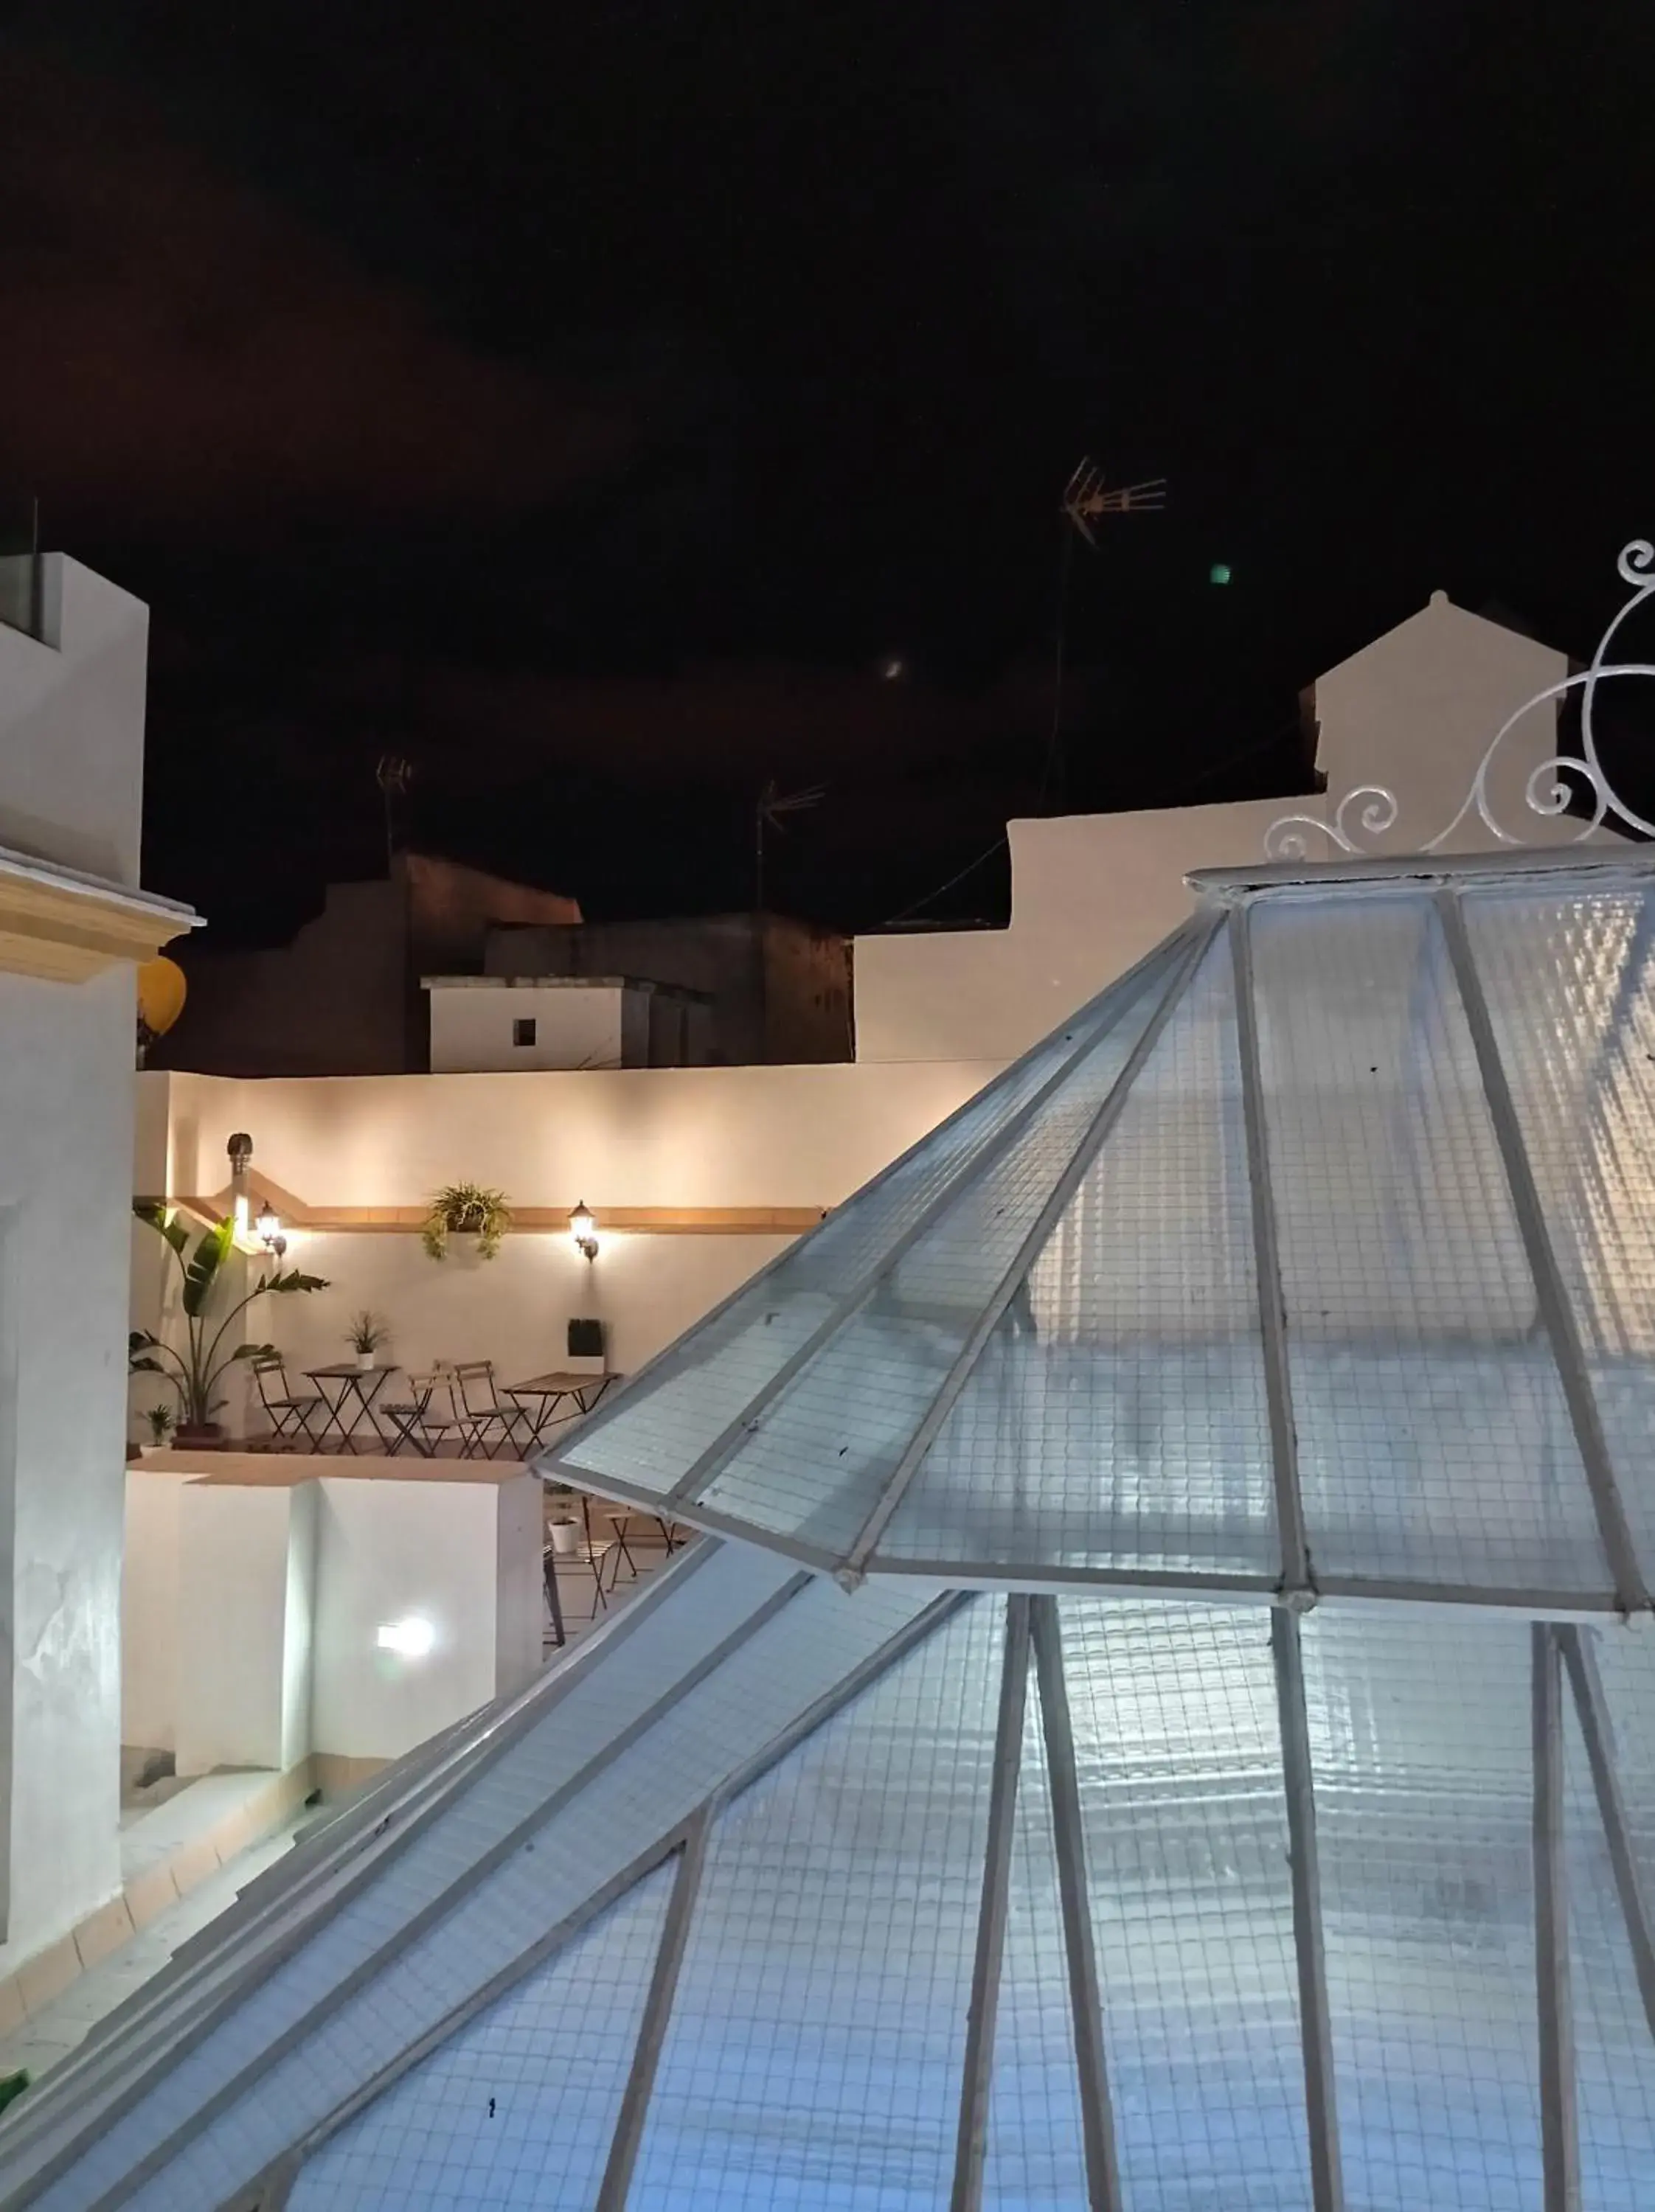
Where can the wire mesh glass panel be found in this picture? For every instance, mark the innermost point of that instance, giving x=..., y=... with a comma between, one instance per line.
x=1118, y=1417
x=651, y=1435
x=519, y=2106
x=1569, y=978
x=408, y=1982
x=819, y=1459
x=1179, y=1753
x=1035, y=2154
x=814, y=2053
x=1420, y=1746
x=1433, y=1441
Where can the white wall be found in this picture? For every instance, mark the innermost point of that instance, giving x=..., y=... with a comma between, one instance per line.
x=71, y=715
x=1414, y=711
x=386, y=1549
x=71, y=737
x=244, y=1575
x=670, y=1137
x=576, y=1025
x=149, y=1611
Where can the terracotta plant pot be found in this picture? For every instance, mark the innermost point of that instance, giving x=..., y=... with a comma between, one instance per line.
x=208, y=1437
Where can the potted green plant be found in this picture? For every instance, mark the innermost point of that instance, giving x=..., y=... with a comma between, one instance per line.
x=561, y=1526
x=465, y=1209
x=365, y=1336
x=158, y=1420
x=196, y=1372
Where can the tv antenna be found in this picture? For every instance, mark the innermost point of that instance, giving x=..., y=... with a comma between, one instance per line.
x=394, y=774
x=1086, y=500
x=769, y=813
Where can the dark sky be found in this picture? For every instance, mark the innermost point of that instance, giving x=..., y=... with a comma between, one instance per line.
x=585, y=402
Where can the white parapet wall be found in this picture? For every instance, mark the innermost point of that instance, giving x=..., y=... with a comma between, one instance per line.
x=256, y=1590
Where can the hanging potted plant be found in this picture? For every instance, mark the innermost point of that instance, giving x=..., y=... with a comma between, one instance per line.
x=465, y=1209
x=365, y=1336
x=196, y=1372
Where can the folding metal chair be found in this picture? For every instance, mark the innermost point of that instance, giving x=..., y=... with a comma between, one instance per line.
x=431, y=1420
x=289, y=1416
x=484, y=1414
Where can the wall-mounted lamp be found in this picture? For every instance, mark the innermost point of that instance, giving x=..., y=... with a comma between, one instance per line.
x=268, y=1229
x=411, y=1638
x=584, y=1229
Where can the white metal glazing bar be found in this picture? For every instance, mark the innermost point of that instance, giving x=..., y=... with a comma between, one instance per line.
x=1560, y=2149
x=1097, y=2109
x=1553, y=1299
x=1320, y=2107
x=854, y=1563
x=971, y=2143
x=1267, y=1263
x=1581, y=1659
x=657, y=2012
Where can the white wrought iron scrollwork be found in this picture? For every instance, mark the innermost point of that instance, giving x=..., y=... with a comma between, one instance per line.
x=1371, y=810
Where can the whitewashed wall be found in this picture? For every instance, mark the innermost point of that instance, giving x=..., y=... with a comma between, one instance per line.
x=71, y=733
x=1414, y=711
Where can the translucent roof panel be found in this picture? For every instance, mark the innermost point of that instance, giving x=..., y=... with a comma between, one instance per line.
x=519, y=2106
x=1117, y=1416
x=680, y=1408
x=1434, y=1442
x=1311, y=1261
x=1571, y=990
x=819, y=2026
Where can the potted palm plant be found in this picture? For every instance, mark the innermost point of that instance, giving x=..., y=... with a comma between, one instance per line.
x=158, y=1420
x=465, y=1209
x=195, y=1371
x=365, y=1336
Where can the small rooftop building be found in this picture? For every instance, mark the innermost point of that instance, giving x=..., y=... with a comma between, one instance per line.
x=1158, y=1721
x=493, y=1024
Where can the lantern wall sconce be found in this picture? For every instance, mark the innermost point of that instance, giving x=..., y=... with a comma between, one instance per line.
x=584, y=1229
x=268, y=1229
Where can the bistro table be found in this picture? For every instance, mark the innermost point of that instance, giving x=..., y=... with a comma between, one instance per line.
x=356, y=1389
x=538, y=1400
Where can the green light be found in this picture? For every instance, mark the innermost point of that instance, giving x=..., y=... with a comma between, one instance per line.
x=1219, y=572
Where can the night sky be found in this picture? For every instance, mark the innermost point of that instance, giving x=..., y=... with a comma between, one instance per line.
x=589, y=403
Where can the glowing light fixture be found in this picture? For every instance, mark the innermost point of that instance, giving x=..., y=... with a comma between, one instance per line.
x=584, y=1229
x=268, y=1229
x=1219, y=572
x=411, y=1638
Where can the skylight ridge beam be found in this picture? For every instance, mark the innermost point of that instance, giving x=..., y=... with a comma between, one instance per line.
x=1315, y=2025
x=976, y=2076
x=1560, y=2145
x=1296, y=1582
x=854, y=1564
x=1075, y=1898
x=657, y=2015
x=1551, y=1296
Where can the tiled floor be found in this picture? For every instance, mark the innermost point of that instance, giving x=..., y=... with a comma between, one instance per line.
x=52, y=2033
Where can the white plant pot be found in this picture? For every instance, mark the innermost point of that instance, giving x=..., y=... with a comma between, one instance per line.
x=367, y=1361
x=565, y=1538
x=152, y=1451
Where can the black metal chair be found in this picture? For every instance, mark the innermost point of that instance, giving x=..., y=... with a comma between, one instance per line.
x=430, y=1421
x=290, y=1415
